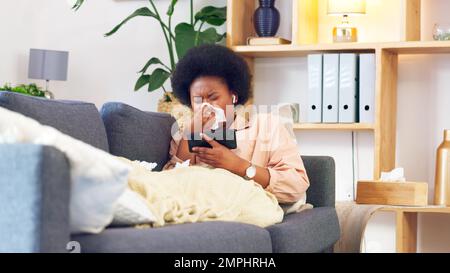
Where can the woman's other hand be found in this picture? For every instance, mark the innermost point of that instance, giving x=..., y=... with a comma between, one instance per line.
x=203, y=120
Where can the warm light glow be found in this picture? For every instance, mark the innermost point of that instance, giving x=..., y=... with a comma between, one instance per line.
x=346, y=7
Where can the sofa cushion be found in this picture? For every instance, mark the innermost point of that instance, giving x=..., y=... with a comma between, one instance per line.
x=207, y=237
x=138, y=135
x=312, y=230
x=78, y=119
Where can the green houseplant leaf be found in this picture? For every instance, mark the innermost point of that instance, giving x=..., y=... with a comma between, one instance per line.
x=186, y=37
x=171, y=7
x=212, y=15
x=209, y=36
x=142, y=81
x=77, y=5
x=152, y=61
x=157, y=79
x=139, y=12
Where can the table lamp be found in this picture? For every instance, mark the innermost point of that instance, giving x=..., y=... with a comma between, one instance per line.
x=346, y=32
x=48, y=65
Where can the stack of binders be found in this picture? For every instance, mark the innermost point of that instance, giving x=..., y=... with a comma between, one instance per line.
x=341, y=88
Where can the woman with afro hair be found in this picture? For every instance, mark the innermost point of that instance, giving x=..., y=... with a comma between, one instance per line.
x=213, y=75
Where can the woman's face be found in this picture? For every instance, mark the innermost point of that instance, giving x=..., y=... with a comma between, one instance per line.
x=213, y=90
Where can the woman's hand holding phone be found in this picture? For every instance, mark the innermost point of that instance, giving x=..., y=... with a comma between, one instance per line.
x=220, y=156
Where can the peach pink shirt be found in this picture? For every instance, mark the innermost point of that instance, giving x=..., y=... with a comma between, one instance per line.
x=265, y=142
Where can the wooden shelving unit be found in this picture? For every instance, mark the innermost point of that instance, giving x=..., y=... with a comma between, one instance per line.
x=305, y=41
x=406, y=224
x=300, y=50
x=335, y=127
x=286, y=51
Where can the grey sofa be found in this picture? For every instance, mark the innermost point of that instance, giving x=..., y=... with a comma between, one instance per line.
x=35, y=191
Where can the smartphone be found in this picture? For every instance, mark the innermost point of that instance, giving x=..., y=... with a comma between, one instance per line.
x=226, y=138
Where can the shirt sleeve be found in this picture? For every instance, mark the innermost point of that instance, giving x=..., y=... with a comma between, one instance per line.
x=288, y=178
x=173, y=150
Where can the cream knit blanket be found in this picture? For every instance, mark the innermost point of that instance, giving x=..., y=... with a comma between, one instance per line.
x=198, y=194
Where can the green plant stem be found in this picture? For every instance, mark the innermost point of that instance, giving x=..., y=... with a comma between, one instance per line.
x=168, y=68
x=198, y=34
x=166, y=28
x=171, y=41
x=169, y=44
x=192, y=12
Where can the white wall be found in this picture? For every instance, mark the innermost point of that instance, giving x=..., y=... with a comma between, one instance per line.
x=104, y=69
x=100, y=69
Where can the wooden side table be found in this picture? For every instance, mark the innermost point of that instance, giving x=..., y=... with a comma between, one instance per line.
x=406, y=225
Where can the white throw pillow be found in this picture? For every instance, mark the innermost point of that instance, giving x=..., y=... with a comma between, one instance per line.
x=132, y=209
x=98, y=179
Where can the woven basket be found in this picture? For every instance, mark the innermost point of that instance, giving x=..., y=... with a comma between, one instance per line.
x=171, y=105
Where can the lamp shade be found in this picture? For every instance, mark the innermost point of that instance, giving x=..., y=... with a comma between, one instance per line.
x=48, y=64
x=346, y=7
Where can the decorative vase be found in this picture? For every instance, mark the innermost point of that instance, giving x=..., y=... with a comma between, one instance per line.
x=266, y=19
x=171, y=105
x=442, y=179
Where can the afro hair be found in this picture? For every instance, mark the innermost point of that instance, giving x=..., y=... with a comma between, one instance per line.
x=211, y=60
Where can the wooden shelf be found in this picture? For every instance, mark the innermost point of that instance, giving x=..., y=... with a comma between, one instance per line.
x=420, y=47
x=334, y=126
x=428, y=209
x=271, y=51
x=301, y=50
x=407, y=224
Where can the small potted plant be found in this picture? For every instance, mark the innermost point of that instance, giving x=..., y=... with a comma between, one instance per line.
x=30, y=89
x=200, y=29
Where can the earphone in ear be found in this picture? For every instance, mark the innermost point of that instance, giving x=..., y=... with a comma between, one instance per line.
x=234, y=99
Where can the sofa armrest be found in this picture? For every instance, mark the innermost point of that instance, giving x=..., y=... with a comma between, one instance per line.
x=309, y=231
x=322, y=175
x=34, y=199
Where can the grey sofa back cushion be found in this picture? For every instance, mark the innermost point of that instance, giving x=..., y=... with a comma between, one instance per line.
x=78, y=119
x=138, y=135
x=321, y=174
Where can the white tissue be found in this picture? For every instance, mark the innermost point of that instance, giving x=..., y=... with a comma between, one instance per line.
x=396, y=175
x=149, y=166
x=182, y=165
x=219, y=114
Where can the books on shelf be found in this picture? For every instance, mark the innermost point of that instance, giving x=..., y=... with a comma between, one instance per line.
x=348, y=88
x=315, y=68
x=345, y=85
x=267, y=41
x=330, y=95
x=367, y=88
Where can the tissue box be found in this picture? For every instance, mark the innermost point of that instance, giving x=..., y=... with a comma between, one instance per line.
x=392, y=193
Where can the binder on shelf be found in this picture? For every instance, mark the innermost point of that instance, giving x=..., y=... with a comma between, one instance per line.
x=315, y=66
x=348, y=88
x=367, y=74
x=330, y=88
